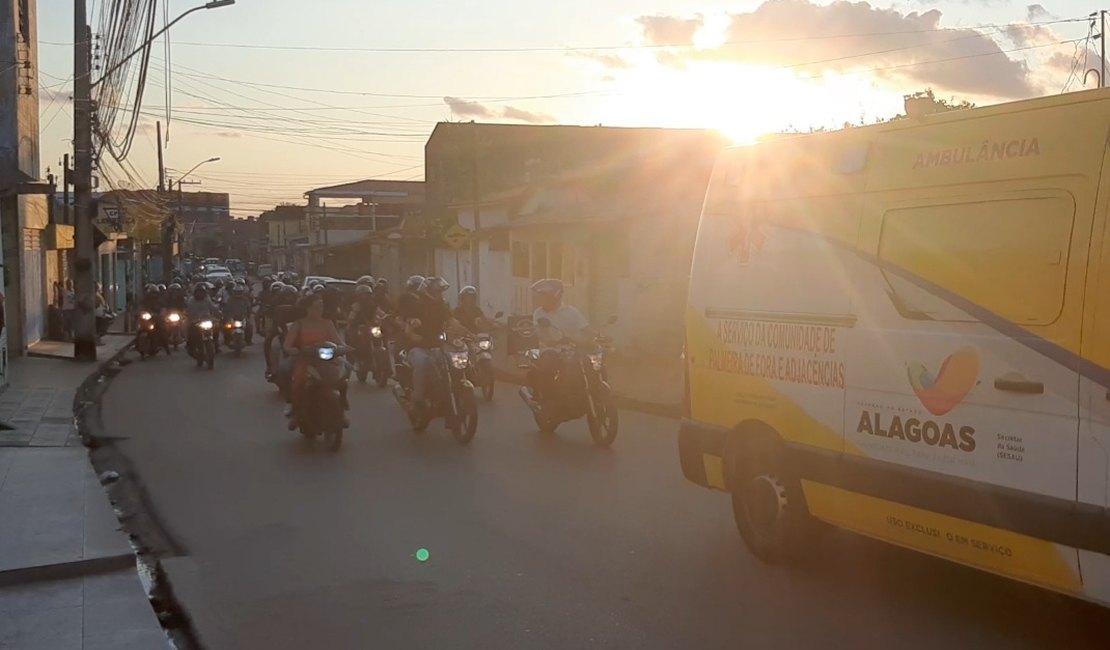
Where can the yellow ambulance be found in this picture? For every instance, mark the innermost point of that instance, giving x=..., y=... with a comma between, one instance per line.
x=904, y=330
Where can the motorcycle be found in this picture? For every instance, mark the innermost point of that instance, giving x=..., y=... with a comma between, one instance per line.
x=144, y=337
x=235, y=335
x=204, y=350
x=481, y=366
x=581, y=390
x=324, y=402
x=174, y=335
x=381, y=363
x=451, y=394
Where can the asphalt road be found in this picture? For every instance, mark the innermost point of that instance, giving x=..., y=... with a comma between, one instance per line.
x=534, y=541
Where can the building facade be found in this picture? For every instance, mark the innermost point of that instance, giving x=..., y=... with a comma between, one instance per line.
x=611, y=211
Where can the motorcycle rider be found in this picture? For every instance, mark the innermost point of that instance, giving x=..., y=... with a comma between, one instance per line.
x=554, y=323
x=199, y=308
x=309, y=330
x=469, y=312
x=427, y=317
x=238, y=307
x=154, y=301
x=175, y=297
x=283, y=311
x=381, y=295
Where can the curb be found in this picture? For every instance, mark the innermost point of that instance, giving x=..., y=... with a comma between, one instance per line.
x=65, y=570
x=128, y=494
x=623, y=401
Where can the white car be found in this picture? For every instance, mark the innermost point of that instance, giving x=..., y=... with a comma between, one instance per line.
x=222, y=275
x=313, y=279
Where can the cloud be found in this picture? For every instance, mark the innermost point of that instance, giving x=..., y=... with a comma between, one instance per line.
x=522, y=115
x=1035, y=13
x=608, y=61
x=466, y=108
x=670, y=30
x=910, y=50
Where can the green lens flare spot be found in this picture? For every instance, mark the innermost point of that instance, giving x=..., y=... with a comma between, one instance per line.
x=422, y=555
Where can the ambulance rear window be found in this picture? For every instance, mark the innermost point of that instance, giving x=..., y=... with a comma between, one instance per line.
x=1007, y=256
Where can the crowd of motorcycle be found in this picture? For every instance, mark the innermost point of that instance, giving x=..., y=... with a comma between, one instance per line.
x=437, y=359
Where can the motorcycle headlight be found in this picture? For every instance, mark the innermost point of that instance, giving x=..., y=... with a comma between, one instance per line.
x=238, y=323
x=325, y=354
x=175, y=318
x=595, y=360
x=206, y=325
x=485, y=344
x=459, y=360
x=376, y=332
x=146, y=315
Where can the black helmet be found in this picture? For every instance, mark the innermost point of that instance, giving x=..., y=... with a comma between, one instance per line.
x=175, y=286
x=161, y=287
x=238, y=289
x=218, y=283
x=363, y=288
x=468, y=291
x=365, y=279
x=276, y=285
x=150, y=288
x=200, y=291
x=318, y=287
x=549, y=286
x=288, y=288
x=414, y=283
x=436, y=285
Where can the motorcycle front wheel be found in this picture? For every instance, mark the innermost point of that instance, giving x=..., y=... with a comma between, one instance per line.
x=603, y=419
x=466, y=420
x=210, y=354
x=545, y=424
x=487, y=381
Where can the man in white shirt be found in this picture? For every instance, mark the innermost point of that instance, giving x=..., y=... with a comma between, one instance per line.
x=555, y=323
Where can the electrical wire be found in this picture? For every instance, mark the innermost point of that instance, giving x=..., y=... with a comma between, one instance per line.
x=595, y=48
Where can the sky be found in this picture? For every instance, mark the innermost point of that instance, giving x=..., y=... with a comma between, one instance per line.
x=293, y=95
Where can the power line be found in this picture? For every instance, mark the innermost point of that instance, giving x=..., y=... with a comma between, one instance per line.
x=591, y=48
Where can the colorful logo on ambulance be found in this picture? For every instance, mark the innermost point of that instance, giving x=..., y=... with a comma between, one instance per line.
x=957, y=376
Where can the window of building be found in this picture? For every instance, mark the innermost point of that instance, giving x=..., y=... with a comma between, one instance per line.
x=1007, y=256
x=539, y=260
x=555, y=260
x=521, y=268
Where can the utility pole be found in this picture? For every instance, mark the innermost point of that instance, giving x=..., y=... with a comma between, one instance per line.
x=324, y=227
x=67, y=179
x=1102, y=44
x=169, y=225
x=475, y=244
x=161, y=166
x=84, y=323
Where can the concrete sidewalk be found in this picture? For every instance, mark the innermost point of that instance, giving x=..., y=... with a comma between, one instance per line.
x=68, y=576
x=110, y=344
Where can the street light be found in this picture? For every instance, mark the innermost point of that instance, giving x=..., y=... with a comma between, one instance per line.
x=171, y=223
x=84, y=324
x=215, y=4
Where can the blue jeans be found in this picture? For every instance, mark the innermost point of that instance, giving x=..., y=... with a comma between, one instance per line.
x=422, y=368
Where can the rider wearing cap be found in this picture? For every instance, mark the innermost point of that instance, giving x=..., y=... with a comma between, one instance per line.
x=555, y=323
